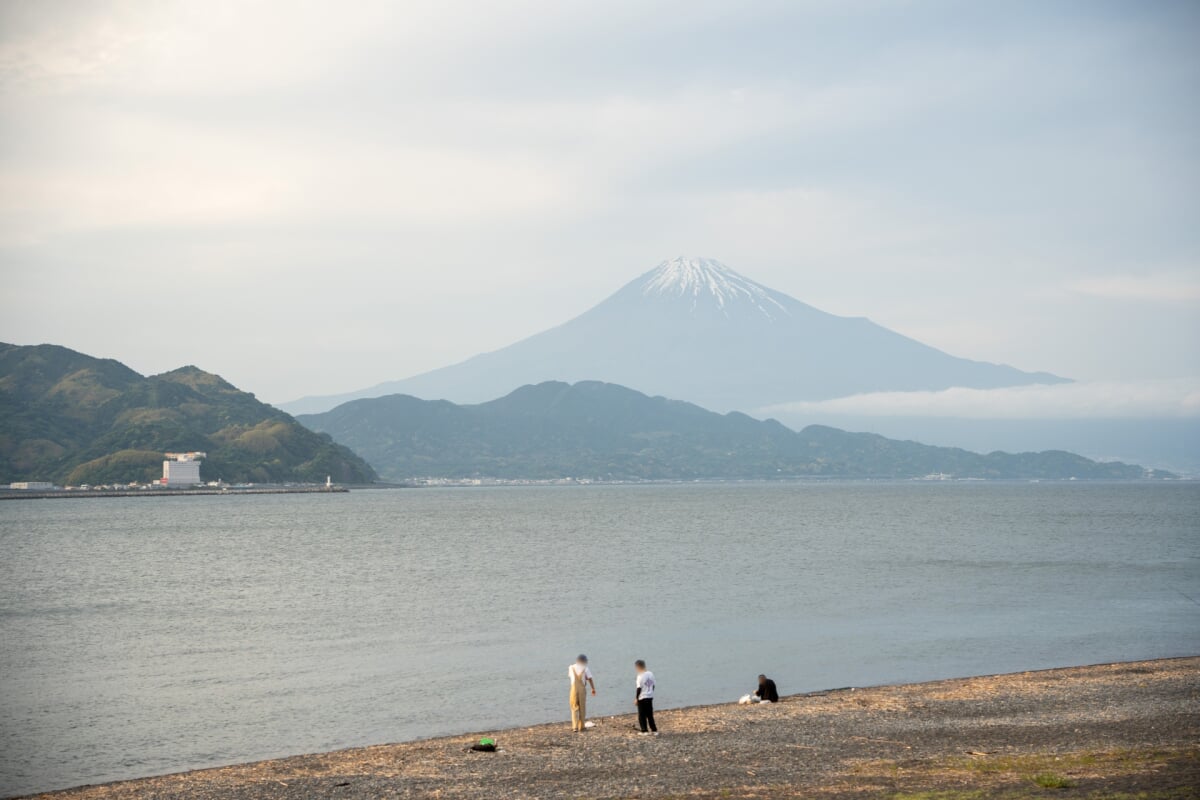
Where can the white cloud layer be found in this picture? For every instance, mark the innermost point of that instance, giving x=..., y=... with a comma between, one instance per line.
x=1181, y=287
x=1176, y=398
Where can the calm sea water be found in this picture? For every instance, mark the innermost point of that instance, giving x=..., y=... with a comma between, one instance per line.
x=148, y=636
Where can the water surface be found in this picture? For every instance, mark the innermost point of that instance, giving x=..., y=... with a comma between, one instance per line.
x=147, y=636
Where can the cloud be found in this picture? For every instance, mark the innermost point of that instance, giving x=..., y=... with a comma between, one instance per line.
x=1171, y=288
x=1175, y=398
x=925, y=167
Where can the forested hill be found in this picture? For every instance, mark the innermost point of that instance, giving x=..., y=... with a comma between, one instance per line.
x=71, y=418
x=608, y=432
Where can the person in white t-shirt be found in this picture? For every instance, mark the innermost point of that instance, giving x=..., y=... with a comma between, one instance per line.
x=580, y=675
x=644, y=699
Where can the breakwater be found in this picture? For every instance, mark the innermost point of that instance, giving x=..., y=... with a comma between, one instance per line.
x=62, y=494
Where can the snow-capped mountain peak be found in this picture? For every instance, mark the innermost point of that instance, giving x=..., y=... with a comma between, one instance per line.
x=693, y=329
x=701, y=279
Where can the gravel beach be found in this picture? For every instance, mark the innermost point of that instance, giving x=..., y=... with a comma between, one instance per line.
x=1117, y=730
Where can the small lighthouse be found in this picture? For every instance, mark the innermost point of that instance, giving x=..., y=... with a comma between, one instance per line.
x=328, y=482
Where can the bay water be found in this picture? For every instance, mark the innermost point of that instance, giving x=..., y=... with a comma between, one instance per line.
x=144, y=636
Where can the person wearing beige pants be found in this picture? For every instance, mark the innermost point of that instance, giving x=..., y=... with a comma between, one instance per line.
x=581, y=678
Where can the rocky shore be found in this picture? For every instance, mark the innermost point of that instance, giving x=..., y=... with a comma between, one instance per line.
x=1127, y=730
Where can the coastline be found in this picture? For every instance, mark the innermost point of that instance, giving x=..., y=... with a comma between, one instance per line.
x=79, y=494
x=1100, y=730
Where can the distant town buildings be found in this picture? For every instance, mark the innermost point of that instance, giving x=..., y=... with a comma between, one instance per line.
x=36, y=486
x=182, y=469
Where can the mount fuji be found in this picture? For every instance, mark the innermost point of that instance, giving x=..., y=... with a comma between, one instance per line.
x=695, y=330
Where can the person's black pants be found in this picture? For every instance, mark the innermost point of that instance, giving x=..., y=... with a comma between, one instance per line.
x=646, y=714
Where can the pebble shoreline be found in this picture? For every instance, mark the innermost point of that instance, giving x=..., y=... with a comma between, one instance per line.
x=1130, y=727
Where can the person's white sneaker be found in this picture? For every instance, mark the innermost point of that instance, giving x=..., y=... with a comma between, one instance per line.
x=656, y=733
x=643, y=733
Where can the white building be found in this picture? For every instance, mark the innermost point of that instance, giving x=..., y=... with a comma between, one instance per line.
x=182, y=469
x=40, y=486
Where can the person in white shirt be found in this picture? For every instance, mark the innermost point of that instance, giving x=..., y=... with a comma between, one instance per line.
x=644, y=699
x=580, y=675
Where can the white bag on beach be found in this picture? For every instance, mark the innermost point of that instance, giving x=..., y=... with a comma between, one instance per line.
x=745, y=700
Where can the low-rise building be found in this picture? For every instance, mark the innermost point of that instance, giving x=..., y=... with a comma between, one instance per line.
x=39, y=486
x=182, y=469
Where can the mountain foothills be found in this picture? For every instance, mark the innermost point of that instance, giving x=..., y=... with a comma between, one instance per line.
x=73, y=419
x=694, y=329
x=607, y=432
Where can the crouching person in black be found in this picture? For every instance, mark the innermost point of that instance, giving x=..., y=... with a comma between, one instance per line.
x=766, y=691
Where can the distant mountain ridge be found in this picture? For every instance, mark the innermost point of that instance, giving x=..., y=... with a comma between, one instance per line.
x=71, y=418
x=694, y=329
x=607, y=432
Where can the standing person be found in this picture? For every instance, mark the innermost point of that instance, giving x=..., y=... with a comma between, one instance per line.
x=580, y=675
x=766, y=691
x=644, y=699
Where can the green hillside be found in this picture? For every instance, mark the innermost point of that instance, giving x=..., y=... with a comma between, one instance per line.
x=72, y=419
x=607, y=432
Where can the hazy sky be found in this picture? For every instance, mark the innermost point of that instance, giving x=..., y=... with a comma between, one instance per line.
x=316, y=197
